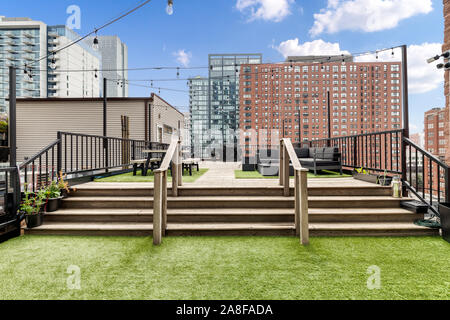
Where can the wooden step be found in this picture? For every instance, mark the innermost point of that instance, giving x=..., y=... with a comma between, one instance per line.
x=92, y=229
x=263, y=215
x=107, y=202
x=284, y=229
x=233, y=229
x=284, y=202
x=375, y=229
x=231, y=202
x=144, y=190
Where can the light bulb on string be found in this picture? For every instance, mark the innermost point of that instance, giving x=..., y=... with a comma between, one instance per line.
x=95, y=45
x=169, y=8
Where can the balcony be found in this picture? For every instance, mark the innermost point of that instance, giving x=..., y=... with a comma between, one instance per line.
x=28, y=42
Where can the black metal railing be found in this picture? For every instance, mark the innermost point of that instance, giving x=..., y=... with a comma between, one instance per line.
x=379, y=151
x=426, y=176
x=39, y=170
x=75, y=153
x=10, y=196
x=80, y=153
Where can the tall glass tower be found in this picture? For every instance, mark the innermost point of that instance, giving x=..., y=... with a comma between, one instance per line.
x=223, y=101
x=199, y=117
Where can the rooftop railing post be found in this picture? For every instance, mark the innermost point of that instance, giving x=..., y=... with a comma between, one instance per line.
x=304, y=219
x=164, y=203
x=15, y=176
x=157, y=208
x=281, y=170
x=447, y=187
x=355, y=151
x=59, y=153
x=105, y=123
x=405, y=132
x=404, y=163
x=286, y=172
x=180, y=164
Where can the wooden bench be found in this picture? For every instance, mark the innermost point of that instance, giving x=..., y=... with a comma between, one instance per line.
x=141, y=164
x=189, y=163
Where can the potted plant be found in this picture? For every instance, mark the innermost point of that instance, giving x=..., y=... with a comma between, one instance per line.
x=31, y=207
x=384, y=180
x=444, y=212
x=53, y=193
x=63, y=185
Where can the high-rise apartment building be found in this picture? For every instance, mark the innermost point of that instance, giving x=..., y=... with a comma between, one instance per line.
x=62, y=81
x=24, y=41
x=215, y=106
x=115, y=61
x=291, y=99
x=435, y=140
x=224, y=87
x=199, y=116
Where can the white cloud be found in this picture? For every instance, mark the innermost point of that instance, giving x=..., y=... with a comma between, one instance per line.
x=366, y=15
x=183, y=57
x=317, y=47
x=269, y=10
x=422, y=77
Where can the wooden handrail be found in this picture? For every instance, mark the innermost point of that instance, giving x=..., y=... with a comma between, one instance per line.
x=169, y=156
x=173, y=156
x=287, y=155
x=292, y=155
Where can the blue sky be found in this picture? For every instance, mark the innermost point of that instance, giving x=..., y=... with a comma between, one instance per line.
x=270, y=27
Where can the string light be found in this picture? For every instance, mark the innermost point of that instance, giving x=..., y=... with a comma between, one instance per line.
x=95, y=45
x=169, y=8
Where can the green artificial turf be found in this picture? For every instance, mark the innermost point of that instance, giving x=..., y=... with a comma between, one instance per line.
x=239, y=174
x=128, y=177
x=35, y=267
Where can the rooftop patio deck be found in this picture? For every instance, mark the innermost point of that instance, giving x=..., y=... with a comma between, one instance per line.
x=221, y=174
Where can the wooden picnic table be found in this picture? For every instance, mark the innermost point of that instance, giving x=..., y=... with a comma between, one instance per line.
x=151, y=159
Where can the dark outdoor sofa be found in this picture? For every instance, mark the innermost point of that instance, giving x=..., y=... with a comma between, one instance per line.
x=314, y=159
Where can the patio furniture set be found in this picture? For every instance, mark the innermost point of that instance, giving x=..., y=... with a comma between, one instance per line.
x=154, y=159
x=315, y=159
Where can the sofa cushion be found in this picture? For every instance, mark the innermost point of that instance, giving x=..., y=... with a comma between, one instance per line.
x=302, y=152
x=309, y=163
x=269, y=154
x=331, y=154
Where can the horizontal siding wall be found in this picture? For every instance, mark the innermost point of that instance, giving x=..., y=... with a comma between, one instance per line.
x=39, y=122
x=165, y=114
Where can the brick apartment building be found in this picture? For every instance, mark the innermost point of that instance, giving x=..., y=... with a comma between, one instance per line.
x=435, y=139
x=436, y=142
x=290, y=100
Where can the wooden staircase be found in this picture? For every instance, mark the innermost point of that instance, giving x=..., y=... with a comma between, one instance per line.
x=216, y=211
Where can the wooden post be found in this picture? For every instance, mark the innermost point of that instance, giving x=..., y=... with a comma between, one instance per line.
x=164, y=203
x=281, y=171
x=180, y=165
x=157, y=209
x=286, y=171
x=304, y=220
x=297, y=202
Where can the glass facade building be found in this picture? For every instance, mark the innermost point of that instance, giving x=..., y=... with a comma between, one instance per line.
x=17, y=47
x=215, y=107
x=24, y=41
x=199, y=116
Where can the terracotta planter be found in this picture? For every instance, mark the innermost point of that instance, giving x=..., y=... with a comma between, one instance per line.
x=34, y=220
